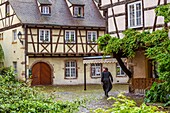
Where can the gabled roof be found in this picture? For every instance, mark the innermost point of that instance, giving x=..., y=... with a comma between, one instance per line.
x=76, y=2
x=44, y=2
x=28, y=12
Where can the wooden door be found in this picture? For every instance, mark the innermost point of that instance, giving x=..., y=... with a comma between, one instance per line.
x=41, y=74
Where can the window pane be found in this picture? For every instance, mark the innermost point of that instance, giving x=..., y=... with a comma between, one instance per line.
x=67, y=64
x=89, y=37
x=122, y=72
x=67, y=72
x=96, y=70
x=47, y=35
x=132, y=15
x=14, y=34
x=135, y=14
x=93, y=71
x=72, y=36
x=15, y=67
x=70, y=69
x=73, y=72
x=73, y=64
x=94, y=36
x=76, y=10
x=67, y=36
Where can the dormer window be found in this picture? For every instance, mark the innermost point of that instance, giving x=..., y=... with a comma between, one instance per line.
x=44, y=6
x=45, y=10
x=78, y=11
x=76, y=8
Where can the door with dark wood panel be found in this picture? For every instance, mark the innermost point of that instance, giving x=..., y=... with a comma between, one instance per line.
x=41, y=74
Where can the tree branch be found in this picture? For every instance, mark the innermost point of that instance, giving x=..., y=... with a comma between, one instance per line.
x=122, y=65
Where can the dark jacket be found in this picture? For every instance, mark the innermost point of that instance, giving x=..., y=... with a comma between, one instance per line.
x=106, y=77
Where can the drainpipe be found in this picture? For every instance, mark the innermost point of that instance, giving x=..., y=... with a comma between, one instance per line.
x=25, y=52
x=85, y=77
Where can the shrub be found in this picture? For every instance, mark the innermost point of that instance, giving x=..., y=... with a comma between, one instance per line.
x=124, y=105
x=158, y=93
x=16, y=97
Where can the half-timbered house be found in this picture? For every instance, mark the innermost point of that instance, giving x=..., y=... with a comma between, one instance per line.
x=121, y=15
x=49, y=39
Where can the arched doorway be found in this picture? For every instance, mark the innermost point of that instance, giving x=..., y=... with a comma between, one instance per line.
x=41, y=74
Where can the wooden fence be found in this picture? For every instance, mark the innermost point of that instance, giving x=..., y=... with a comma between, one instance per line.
x=139, y=85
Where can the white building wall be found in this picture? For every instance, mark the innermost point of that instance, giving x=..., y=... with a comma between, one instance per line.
x=59, y=71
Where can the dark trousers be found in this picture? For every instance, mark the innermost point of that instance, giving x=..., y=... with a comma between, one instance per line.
x=107, y=86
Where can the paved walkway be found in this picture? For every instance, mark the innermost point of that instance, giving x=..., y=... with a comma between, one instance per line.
x=94, y=94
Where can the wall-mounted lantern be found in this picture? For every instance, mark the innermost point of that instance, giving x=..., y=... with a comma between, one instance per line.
x=20, y=37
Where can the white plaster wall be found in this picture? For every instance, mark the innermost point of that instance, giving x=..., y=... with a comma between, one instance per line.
x=149, y=15
x=13, y=51
x=58, y=66
x=11, y=20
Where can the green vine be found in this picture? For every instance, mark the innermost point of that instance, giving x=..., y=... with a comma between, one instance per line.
x=164, y=11
x=156, y=45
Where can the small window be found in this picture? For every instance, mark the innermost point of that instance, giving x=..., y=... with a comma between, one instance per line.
x=135, y=15
x=91, y=36
x=14, y=32
x=70, y=36
x=45, y=10
x=1, y=36
x=7, y=9
x=44, y=35
x=15, y=67
x=96, y=70
x=70, y=69
x=119, y=71
x=78, y=11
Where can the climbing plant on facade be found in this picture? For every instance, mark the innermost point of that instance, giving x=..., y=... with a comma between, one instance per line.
x=156, y=45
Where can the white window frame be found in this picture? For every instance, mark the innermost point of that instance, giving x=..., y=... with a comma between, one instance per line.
x=68, y=36
x=121, y=71
x=76, y=11
x=135, y=15
x=45, y=10
x=90, y=36
x=97, y=68
x=15, y=67
x=71, y=68
x=43, y=35
x=14, y=35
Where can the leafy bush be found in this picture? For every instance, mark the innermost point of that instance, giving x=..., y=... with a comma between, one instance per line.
x=16, y=97
x=124, y=105
x=158, y=93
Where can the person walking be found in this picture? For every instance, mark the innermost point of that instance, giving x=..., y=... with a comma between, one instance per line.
x=107, y=80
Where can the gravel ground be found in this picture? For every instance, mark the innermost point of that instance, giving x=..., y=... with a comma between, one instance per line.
x=94, y=95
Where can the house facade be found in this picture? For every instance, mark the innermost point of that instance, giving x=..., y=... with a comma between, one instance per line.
x=49, y=39
x=134, y=14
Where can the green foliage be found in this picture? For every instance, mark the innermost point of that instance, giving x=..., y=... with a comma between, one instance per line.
x=158, y=93
x=16, y=97
x=156, y=46
x=164, y=10
x=124, y=105
x=8, y=73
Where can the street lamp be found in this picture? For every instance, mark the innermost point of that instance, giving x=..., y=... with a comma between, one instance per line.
x=20, y=37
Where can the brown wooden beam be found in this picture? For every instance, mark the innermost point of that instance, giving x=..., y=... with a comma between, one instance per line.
x=11, y=27
x=156, y=17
